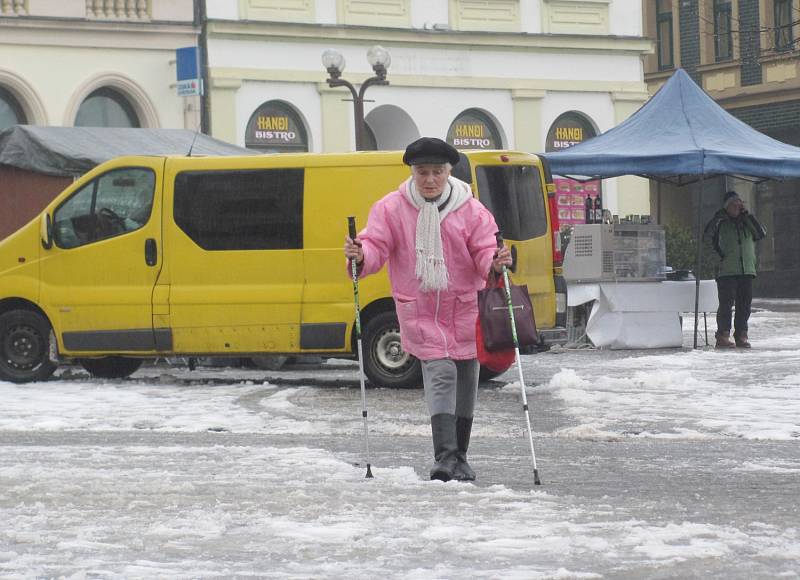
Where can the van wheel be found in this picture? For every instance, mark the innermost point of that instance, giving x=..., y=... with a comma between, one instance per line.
x=111, y=367
x=386, y=364
x=25, y=347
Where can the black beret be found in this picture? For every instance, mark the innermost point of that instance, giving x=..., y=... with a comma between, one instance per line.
x=430, y=150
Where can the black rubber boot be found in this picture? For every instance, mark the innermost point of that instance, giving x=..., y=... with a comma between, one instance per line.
x=443, y=428
x=463, y=471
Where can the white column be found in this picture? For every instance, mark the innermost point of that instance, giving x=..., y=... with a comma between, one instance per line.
x=528, y=120
x=222, y=100
x=338, y=131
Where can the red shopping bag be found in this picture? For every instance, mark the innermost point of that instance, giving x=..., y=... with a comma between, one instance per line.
x=495, y=360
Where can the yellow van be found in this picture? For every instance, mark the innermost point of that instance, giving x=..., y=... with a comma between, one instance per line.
x=149, y=257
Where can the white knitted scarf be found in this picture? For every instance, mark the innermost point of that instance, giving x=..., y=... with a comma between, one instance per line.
x=431, y=269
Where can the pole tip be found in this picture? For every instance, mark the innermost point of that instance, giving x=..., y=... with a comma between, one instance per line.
x=369, y=472
x=536, y=480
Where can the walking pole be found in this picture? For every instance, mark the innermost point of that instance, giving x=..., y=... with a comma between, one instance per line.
x=507, y=285
x=351, y=223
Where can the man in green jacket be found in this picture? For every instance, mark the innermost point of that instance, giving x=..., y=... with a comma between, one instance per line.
x=734, y=232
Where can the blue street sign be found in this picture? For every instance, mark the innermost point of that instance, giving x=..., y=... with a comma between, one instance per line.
x=188, y=67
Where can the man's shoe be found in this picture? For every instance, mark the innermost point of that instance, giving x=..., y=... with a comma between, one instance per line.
x=741, y=340
x=724, y=340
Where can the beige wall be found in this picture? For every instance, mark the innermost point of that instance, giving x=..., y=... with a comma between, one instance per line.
x=633, y=193
x=51, y=68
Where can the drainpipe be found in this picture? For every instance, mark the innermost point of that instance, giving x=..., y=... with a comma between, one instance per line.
x=201, y=21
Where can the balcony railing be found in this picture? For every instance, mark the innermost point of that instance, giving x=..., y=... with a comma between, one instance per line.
x=118, y=9
x=13, y=7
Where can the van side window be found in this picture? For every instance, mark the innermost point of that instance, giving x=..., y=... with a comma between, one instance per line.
x=115, y=203
x=241, y=210
x=514, y=196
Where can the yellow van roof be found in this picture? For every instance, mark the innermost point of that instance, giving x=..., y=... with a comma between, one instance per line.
x=351, y=158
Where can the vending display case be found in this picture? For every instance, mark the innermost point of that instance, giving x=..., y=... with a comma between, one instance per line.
x=615, y=253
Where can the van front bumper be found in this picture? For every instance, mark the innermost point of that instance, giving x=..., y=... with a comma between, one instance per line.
x=547, y=337
x=551, y=336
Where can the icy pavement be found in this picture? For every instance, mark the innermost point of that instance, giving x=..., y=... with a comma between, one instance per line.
x=656, y=464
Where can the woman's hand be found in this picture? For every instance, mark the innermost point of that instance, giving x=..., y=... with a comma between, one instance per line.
x=352, y=249
x=501, y=258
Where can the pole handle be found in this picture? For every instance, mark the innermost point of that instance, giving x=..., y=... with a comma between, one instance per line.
x=351, y=225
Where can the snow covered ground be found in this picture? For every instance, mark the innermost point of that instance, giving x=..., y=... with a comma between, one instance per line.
x=656, y=464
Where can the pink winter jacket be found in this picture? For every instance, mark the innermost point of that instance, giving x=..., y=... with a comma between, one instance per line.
x=436, y=324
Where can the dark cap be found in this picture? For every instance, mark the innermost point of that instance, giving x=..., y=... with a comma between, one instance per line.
x=729, y=198
x=430, y=150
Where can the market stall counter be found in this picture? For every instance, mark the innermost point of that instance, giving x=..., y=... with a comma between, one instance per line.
x=617, y=292
x=639, y=315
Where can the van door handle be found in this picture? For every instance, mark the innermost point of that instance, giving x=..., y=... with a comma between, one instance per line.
x=150, y=252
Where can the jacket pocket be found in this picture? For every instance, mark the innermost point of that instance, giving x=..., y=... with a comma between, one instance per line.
x=408, y=316
x=465, y=316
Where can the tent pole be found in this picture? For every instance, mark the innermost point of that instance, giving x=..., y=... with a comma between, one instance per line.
x=699, y=258
x=658, y=203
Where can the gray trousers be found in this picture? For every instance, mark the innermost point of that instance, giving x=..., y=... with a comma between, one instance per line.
x=451, y=386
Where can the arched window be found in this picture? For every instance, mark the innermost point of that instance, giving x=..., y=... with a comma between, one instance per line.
x=11, y=112
x=276, y=127
x=569, y=129
x=571, y=201
x=370, y=141
x=389, y=128
x=106, y=108
x=474, y=129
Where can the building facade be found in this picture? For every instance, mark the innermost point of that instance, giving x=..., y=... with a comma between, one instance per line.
x=95, y=62
x=532, y=75
x=744, y=54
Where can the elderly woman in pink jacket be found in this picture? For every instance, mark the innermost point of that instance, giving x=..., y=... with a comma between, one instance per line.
x=440, y=246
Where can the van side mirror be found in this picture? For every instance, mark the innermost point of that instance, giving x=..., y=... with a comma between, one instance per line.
x=47, y=231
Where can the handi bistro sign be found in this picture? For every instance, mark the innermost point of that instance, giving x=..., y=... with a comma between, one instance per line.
x=274, y=126
x=472, y=131
x=565, y=137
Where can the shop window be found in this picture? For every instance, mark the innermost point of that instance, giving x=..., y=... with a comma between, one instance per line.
x=115, y=203
x=241, y=210
x=664, y=34
x=514, y=196
x=276, y=127
x=568, y=130
x=474, y=129
x=723, y=32
x=11, y=112
x=782, y=13
x=106, y=108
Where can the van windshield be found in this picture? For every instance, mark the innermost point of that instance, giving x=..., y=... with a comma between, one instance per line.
x=513, y=193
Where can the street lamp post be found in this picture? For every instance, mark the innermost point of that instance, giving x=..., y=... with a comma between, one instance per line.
x=333, y=61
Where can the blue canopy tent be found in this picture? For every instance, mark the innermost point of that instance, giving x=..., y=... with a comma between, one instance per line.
x=680, y=135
